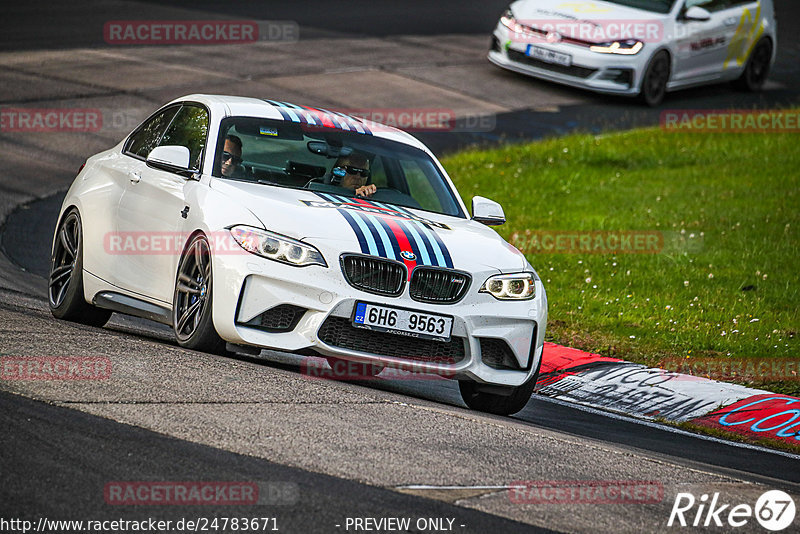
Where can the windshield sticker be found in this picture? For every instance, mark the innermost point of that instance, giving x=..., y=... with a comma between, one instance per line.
x=268, y=131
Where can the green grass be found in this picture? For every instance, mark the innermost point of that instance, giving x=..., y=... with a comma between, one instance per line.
x=729, y=208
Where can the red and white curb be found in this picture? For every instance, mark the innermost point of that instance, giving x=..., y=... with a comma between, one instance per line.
x=633, y=389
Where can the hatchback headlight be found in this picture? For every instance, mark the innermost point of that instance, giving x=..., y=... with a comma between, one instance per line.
x=629, y=47
x=277, y=247
x=518, y=286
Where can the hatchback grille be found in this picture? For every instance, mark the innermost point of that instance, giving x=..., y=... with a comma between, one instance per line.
x=438, y=286
x=572, y=70
x=339, y=332
x=374, y=275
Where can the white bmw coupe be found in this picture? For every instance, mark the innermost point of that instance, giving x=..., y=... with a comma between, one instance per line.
x=269, y=225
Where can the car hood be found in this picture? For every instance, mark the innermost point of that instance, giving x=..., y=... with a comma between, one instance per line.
x=338, y=224
x=532, y=11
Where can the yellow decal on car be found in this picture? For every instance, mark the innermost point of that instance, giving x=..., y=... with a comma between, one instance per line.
x=749, y=31
x=584, y=7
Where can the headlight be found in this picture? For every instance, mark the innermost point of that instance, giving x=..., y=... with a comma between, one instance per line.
x=277, y=247
x=518, y=286
x=507, y=19
x=627, y=48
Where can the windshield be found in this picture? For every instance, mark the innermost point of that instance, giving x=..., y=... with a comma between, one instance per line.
x=329, y=161
x=656, y=6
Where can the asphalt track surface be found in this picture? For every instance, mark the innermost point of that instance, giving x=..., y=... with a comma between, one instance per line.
x=59, y=450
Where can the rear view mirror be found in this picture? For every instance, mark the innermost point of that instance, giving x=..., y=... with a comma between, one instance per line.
x=329, y=151
x=487, y=212
x=171, y=158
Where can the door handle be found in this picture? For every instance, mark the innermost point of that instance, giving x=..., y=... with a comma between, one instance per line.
x=134, y=177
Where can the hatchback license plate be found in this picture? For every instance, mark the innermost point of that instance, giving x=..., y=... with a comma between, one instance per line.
x=549, y=56
x=402, y=322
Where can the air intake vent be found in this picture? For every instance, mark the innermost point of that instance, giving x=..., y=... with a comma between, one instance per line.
x=438, y=286
x=281, y=318
x=374, y=275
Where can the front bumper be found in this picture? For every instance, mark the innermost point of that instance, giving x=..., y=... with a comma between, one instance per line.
x=603, y=73
x=247, y=286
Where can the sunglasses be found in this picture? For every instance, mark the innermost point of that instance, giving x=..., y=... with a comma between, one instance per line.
x=227, y=155
x=349, y=169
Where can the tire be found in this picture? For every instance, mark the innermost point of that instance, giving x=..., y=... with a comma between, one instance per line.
x=757, y=69
x=191, y=305
x=654, y=82
x=65, y=282
x=498, y=403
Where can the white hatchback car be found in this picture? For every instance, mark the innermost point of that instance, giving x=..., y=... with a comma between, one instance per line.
x=638, y=47
x=239, y=220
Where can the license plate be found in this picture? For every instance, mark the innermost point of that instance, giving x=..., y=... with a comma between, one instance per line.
x=549, y=56
x=402, y=322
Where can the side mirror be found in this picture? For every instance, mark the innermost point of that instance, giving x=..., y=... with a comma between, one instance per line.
x=487, y=212
x=169, y=158
x=697, y=13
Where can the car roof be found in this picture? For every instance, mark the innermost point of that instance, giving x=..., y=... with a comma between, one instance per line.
x=234, y=106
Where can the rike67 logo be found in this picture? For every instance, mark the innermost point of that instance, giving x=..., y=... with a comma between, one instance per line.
x=774, y=510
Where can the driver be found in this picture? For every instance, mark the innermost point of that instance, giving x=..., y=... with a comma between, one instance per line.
x=352, y=172
x=232, y=157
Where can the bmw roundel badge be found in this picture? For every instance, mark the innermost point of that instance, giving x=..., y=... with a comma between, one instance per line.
x=410, y=256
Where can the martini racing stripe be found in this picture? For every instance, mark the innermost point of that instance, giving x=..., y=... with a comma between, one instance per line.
x=420, y=248
x=317, y=116
x=404, y=244
x=366, y=239
x=386, y=232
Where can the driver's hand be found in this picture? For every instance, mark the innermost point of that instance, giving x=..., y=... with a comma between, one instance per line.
x=366, y=190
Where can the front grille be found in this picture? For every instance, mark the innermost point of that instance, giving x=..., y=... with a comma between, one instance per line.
x=374, y=275
x=439, y=286
x=281, y=318
x=339, y=332
x=573, y=70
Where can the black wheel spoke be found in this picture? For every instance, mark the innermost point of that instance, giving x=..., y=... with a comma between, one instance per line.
x=60, y=273
x=189, y=314
x=64, y=259
x=65, y=241
x=60, y=296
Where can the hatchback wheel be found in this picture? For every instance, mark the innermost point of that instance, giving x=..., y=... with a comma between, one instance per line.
x=757, y=69
x=654, y=83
